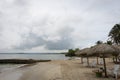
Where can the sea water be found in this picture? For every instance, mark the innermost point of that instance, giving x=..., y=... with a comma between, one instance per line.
x=37, y=56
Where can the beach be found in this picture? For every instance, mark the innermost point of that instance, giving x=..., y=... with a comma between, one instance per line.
x=54, y=70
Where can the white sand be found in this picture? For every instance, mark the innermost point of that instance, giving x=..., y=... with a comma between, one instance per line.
x=43, y=71
x=54, y=70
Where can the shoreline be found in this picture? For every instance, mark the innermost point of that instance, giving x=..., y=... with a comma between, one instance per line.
x=21, y=61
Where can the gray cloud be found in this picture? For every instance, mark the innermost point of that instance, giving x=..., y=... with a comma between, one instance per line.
x=30, y=41
x=63, y=44
x=34, y=40
x=20, y=2
x=55, y=24
x=66, y=41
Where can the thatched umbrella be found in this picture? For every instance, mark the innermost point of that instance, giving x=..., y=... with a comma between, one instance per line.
x=77, y=53
x=103, y=50
x=83, y=53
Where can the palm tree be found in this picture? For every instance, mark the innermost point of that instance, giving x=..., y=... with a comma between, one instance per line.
x=114, y=34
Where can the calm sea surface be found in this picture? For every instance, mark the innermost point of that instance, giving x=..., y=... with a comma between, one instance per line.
x=42, y=56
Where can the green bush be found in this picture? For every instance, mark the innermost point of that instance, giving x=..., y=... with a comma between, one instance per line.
x=71, y=52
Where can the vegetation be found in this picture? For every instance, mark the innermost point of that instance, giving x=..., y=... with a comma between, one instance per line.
x=109, y=42
x=71, y=52
x=99, y=42
x=114, y=34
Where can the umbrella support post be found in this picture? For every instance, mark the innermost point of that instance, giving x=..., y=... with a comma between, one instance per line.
x=113, y=59
x=97, y=60
x=116, y=58
x=88, y=61
x=105, y=66
x=82, y=60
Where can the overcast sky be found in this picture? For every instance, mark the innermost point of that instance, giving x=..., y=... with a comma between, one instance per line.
x=55, y=25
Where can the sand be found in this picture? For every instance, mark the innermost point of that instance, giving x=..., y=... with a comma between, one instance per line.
x=53, y=70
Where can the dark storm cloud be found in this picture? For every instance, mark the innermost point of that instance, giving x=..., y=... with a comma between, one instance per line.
x=33, y=40
x=64, y=43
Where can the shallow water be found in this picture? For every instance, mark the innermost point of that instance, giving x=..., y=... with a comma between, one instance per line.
x=7, y=67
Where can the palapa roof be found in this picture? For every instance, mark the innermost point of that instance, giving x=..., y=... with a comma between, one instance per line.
x=84, y=52
x=99, y=49
x=77, y=52
x=103, y=49
x=117, y=48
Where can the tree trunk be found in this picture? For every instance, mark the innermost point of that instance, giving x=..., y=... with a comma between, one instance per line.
x=105, y=66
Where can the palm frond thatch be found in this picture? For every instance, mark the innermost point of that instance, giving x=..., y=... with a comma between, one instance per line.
x=84, y=52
